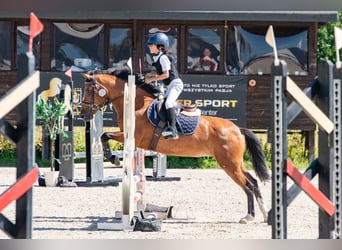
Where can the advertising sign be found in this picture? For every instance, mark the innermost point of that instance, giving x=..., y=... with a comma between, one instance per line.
x=220, y=96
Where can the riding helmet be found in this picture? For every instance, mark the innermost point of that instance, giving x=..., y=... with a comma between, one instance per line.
x=159, y=39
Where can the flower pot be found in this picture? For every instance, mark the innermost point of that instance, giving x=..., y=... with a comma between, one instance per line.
x=51, y=178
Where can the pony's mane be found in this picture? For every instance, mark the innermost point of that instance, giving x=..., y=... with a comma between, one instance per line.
x=123, y=74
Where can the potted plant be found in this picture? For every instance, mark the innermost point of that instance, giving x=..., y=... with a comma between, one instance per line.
x=51, y=114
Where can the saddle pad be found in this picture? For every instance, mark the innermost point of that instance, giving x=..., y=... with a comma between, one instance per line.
x=186, y=125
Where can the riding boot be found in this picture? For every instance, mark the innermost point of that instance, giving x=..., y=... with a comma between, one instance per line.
x=171, y=131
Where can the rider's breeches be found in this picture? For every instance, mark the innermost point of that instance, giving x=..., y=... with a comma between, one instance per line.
x=174, y=89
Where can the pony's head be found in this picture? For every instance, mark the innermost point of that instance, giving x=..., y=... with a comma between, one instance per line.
x=90, y=103
x=97, y=84
x=96, y=94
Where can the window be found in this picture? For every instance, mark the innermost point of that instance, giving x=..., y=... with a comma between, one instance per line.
x=248, y=53
x=172, y=34
x=203, y=49
x=5, y=48
x=120, y=43
x=23, y=34
x=77, y=45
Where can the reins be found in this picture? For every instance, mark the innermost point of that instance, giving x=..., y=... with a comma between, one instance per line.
x=95, y=107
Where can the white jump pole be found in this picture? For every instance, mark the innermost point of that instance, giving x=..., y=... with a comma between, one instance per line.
x=140, y=180
x=128, y=181
x=129, y=147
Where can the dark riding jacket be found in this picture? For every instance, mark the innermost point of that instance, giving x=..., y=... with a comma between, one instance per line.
x=173, y=73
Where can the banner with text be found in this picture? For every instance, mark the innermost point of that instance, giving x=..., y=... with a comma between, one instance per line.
x=221, y=96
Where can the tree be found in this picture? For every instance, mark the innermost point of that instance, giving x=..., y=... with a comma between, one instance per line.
x=51, y=114
x=326, y=41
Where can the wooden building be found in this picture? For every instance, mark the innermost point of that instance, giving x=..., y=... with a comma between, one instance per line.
x=97, y=34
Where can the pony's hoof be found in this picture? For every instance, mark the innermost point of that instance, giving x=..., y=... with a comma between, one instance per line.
x=115, y=160
x=247, y=218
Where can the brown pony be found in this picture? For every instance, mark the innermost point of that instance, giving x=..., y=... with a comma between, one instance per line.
x=213, y=136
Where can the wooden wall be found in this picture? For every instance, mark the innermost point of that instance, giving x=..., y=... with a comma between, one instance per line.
x=258, y=97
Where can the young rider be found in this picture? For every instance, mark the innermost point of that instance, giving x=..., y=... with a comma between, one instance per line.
x=167, y=72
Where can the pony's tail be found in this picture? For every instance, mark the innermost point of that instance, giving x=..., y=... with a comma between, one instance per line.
x=258, y=158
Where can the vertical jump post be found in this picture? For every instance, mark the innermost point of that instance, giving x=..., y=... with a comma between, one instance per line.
x=129, y=147
x=133, y=179
x=337, y=173
x=327, y=115
x=21, y=100
x=279, y=151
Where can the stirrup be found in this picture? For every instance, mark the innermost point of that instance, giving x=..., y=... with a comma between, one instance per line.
x=172, y=135
x=166, y=133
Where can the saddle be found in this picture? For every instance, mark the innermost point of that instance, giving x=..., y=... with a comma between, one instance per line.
x=186, y=110
x=187, y=119
x=189, y=110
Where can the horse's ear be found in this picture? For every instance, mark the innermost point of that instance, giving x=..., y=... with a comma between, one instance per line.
x=87, y=76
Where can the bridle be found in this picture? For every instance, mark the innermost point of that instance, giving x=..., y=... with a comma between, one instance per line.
x=93, y=106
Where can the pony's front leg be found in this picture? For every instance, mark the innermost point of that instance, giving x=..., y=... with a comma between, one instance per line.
x=107, y=153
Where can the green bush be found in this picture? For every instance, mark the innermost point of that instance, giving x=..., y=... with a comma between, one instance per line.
x=326, y=41
x=296, y=152
x=7, y=152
